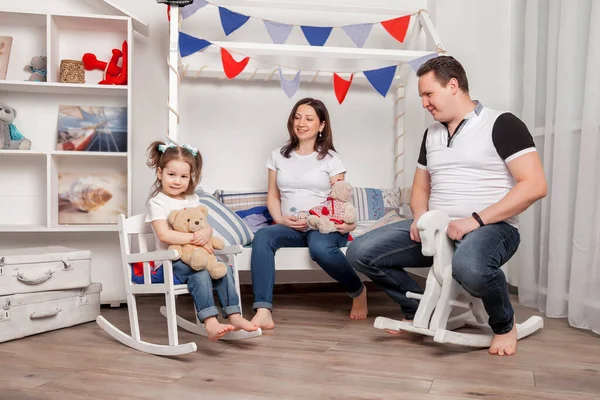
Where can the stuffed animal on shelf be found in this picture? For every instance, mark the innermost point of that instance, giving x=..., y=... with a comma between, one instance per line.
x=38, y=69
x=191, y=220
x=113, y=74
x=337, y=209
x=10, y=137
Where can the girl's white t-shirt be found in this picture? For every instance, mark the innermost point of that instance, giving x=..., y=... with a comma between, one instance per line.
x=161, y=205
x=304, y=181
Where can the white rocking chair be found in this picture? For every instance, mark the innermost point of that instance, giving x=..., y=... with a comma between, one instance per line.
x=135, y=228
x=443, y=296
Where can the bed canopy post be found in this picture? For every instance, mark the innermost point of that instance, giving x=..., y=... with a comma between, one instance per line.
x=399, y=137
x=173, y=63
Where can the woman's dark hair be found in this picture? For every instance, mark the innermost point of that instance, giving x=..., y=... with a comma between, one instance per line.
x=324, y=142
x=158, y=159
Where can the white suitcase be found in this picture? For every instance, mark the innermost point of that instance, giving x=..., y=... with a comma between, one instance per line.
x=42, y=269
x=27, y=314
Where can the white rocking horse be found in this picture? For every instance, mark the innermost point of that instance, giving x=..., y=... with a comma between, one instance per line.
x=445, y=305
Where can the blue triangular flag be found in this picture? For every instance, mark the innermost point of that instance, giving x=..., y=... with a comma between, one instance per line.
x=190, y=44
x=231, y=21
x=316, y=35
x=190, y=9
x=290, y=87
x=358, y=33
x=381, y=79
x=417, y=62
x=279, y=32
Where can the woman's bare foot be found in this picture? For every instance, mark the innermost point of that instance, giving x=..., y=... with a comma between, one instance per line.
x=505, y=345
x=359, y=306
x=263, y=319
x=215, y=329
x=240, y=322
x=392, y=332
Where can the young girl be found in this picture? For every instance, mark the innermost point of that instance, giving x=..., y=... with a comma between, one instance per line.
x=177, y=174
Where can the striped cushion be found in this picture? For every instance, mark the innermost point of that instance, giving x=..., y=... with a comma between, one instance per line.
x=237, y=200
x=225, y=223
x=368, y=203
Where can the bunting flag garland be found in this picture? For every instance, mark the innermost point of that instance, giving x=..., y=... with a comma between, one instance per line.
x=316, y=35
x=231, y=21
x=358, y=33
x=189, y=44
x=231, y=67
x=417, y=62
x=189, y=10
x=341, y=86
x=290, y=87
x=397, y=27
x=278, y=32
x=381, y=79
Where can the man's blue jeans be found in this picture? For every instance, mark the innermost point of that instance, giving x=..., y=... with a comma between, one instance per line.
x=200, y=286
x=383, y=253
x=323, y=249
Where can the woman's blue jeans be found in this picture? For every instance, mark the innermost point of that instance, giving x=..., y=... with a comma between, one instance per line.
x=323, y=249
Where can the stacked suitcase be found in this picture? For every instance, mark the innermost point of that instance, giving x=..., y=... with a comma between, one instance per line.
x=45, y=288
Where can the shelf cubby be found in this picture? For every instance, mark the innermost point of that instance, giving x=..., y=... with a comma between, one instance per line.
x=28, y=31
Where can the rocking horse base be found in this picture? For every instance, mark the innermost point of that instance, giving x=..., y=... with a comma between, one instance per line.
x=524, y=329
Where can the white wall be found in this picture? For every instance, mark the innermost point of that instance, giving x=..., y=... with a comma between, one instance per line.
x=236, y=125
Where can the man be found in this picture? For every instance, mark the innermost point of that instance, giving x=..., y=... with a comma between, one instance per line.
x=479, y=166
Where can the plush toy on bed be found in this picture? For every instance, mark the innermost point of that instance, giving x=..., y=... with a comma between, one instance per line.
x=191, y=220
x=337, y=209
x=10, y=137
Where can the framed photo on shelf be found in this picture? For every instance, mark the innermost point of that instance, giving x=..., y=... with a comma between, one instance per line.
x=91, y=198
x=91, y=128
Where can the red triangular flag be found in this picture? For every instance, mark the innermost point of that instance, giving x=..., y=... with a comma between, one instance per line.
x=397, y=27
x=231, y=67
x=341, y=86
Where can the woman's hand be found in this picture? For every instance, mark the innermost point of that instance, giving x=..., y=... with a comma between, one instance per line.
x=293, y=222
x=201, y=237
x=345, y=228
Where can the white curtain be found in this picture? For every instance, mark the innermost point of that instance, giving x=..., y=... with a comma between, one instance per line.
x=556, y=91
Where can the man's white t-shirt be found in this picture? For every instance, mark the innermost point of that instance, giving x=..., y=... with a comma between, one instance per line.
x=303, y=181
x=161, y=205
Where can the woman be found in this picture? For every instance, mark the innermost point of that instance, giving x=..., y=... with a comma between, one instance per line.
x=300, y=176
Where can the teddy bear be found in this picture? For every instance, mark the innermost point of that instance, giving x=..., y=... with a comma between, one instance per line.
x=337, y=209
x=37, y=68
x=191, y=220
x=10, y=137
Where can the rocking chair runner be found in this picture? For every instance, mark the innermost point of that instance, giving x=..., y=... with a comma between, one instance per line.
x=444, y=295
x=135, y=228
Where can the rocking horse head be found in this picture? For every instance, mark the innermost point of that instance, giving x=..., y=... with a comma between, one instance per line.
x=434, y=240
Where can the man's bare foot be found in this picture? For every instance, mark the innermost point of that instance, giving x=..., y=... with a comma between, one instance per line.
x=359, y=306
x=505, y=345
x=263, y=319
x=215, y=329
x=240, y=322
x=392, y=332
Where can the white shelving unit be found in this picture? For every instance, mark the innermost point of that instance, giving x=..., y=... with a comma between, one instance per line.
x=29, y=178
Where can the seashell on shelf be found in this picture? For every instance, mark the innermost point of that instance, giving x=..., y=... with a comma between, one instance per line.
x=86, y=195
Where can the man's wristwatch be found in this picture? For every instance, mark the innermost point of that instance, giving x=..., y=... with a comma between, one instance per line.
x=478, y=219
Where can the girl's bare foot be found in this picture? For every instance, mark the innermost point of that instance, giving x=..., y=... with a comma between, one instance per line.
x=359, y=306
x=240, y=322
x=215, y=329
x=505, y=345
x=263, y=319
x=392, y=332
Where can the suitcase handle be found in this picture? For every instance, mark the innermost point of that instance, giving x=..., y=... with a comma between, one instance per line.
x=45, y=314
x=37, y=280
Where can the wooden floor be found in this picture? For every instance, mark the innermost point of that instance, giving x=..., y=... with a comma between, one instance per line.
x=315, y=352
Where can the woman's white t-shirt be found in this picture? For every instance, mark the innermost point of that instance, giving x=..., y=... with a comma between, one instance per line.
x=304, y=181
x=161, y=205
